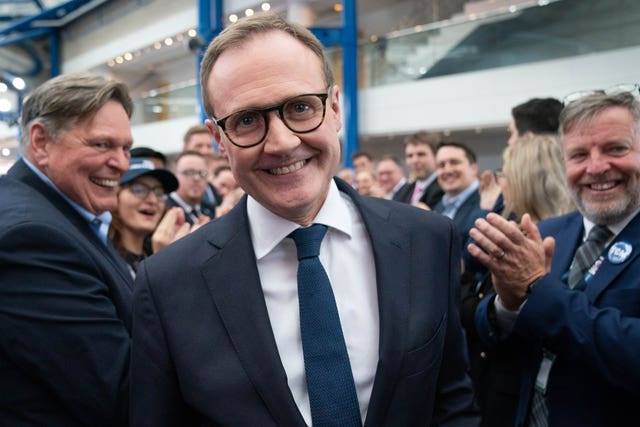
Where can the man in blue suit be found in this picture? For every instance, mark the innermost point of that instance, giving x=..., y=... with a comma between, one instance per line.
x=568, y=295
x=457, y=169
x=219, y=338
x=65, y=294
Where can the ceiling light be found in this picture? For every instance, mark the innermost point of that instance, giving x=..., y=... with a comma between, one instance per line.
x=3, y=87
x=192, y=33
x=233, y=18
x=157, y=45
x=337, y=7
x=6, y=152
x=119, y=59
x=128, y=56
x=18, y=83
x=248, y=12
x=265, y=7
x=168, y=41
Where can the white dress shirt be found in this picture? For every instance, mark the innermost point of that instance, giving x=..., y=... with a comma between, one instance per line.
x=347, y=256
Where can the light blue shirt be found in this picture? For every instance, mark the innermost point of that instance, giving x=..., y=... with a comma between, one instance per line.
x=452, y=204
x=99, y=223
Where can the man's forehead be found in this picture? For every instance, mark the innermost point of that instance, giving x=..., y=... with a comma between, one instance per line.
x=241, y=74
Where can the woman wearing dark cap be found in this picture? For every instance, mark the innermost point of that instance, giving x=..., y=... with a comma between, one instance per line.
x=140, y=208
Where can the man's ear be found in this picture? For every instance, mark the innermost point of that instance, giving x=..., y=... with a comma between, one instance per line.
x=334, y=105
x=39, y=143
x=215, y=132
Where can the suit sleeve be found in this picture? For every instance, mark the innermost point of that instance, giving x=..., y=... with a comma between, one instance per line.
x=59, y=325
x=454, y=399
x=155, y=396
x=607, y=338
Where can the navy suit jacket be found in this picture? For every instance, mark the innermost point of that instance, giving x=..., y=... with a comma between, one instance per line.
x=594, y=332
x=431, y=196
x=65, y=301
x=466, y=214
x=204, y=352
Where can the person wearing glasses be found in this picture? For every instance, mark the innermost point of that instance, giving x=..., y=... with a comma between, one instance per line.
x=65, y=293
x=191, y=171
x=567, y=296
x=231, y=329
x=141, y=206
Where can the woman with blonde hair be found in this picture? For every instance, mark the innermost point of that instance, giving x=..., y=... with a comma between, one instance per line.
x=534, y=179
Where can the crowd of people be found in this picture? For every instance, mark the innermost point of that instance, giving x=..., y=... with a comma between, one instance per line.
x=247, y=286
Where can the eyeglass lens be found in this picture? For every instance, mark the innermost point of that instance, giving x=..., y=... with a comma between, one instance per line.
x=301, y=114
x=193, y=173
x=142, y=191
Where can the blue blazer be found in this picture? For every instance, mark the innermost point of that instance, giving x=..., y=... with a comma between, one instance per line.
x=204, y=353
x=595, y=333
x=466, y=214
x=65, y=301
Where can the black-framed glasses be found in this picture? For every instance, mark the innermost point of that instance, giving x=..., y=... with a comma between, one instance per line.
x=141, y=191
x=192, y=173
x=300, y=114
x=631, y=88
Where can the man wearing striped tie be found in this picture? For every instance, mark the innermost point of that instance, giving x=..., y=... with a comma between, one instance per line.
x=568, y=292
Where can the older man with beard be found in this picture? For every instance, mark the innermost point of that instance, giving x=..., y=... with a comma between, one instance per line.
x=568, y=293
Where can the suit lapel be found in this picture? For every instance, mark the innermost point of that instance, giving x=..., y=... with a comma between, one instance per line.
x=232, y=278
x=568, y=237
x=21, y=172
x=389, y=243
x=608, y=271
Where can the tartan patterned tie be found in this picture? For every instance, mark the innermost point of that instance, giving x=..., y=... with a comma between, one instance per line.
x=588, y=253
x=332, y=391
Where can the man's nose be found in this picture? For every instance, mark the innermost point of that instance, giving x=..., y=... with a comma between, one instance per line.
x=279, y=137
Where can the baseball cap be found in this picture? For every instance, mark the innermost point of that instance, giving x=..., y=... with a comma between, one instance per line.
x=139, y=167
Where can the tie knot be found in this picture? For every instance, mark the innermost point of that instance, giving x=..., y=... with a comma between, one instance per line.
x=599, y=234
x=308, y=240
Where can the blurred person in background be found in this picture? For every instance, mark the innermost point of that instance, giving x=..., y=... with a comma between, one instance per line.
x=533, y=181
x=423, y=186
x=368, y=183
x=362, y=160
x=141, y=205
x=224, y=181
x=191, y=171
x=390, y=176
x=198, y=138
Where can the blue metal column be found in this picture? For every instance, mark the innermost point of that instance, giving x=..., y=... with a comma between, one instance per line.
x=209, y=26
x=350, y=76
x=54, y=52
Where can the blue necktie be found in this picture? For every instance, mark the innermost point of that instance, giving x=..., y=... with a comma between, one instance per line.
x=332, y=392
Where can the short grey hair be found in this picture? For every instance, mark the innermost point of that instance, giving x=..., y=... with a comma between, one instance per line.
x=63, y=101
x=583, y=110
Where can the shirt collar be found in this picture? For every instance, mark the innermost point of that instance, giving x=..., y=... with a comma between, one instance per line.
x=184, y=205
x=424, y=183
x=615, y=228
x=104, y=217
x=268, y=229
x=461, y=197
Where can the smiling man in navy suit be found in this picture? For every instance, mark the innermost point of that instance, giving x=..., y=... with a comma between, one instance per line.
x=574, y=310
x=65, y=294
x=219, y=338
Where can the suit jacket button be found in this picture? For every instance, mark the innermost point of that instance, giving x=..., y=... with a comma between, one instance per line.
x=480, y=295
x=483, y=355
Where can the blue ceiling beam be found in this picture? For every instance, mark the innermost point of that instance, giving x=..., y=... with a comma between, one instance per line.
x=56, y=13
